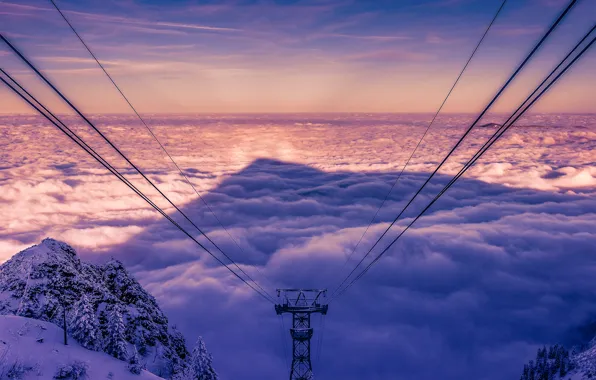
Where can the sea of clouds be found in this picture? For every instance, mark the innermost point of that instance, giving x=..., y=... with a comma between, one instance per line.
x=504, y=263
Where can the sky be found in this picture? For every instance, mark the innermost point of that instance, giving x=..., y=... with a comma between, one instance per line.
x=240, y=56
x=503, y=264
x=293, y=119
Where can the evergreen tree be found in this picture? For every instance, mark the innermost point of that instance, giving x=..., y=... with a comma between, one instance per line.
x=115, y=342
x=134, y=362
x=28, y=305
x=551, y=364
x=563, y=369
x=139, y=339
x=199, y=366
x=84, y=327
x=103, y=322
x=178, y=343
x=201, y=362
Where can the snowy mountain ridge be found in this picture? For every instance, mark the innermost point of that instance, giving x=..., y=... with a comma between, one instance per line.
x=106, y=309
x=558, y=363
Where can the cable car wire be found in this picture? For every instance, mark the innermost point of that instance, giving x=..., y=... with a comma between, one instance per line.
x=499, y=134
x=187, y=180
x=529, y=102
x=40, y=108
x=425, y=132
x=467, y=132
x=105, y=138
x=504, y=126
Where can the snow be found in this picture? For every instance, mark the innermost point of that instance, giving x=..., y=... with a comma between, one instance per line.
x=581, y=364
x=19, y=344
x=201, y=364
x=586, y=364
x=48, y=248
x=47, y=281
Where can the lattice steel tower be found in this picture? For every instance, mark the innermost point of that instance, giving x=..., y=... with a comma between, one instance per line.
x=301, y=303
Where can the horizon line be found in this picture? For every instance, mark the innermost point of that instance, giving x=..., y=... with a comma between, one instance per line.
x=2, y=114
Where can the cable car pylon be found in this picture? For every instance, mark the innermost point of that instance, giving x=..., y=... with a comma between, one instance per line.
x=301, y=303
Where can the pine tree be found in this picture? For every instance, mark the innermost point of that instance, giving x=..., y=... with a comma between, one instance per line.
x=115, y=342
x=199, y=366
x=551, y=364
x=28, y=304
x=134, y=362
x=563, y=369
x=178, y=343
x=201, y=362
x=84, y=326
x=103, y=321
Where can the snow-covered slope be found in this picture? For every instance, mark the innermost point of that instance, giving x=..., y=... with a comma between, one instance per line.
x=100, y=301
x=585, y=364
x=33, y=349
x=558, y=363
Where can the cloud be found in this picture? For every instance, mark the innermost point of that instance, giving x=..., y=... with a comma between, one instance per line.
x=434, y=39
x=501, y=265
x=97, y=237
x=106, y=18
x=9, y=247
x=196, y=26
x=161, y=66
x=365, y=37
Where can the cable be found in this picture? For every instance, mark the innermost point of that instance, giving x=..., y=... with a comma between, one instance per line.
x=59, y=93
x=496, y=136
x=426, y=131
x=73, y=136
x=62, y=127
x=95, y=155
x=463, y=171
x=147, y=126
x=503, y=126
x=494, y=99
x=501, y=130
x=553, y=26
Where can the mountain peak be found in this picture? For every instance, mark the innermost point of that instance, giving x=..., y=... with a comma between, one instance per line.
x=115, y=263
x=57, y=245
x=51, y=242
x=41, y=280
x=49, y=250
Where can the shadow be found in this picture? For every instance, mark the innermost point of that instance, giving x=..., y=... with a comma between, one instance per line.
x=272, y=204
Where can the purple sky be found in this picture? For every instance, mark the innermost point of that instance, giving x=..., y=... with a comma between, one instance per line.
x=295, y=56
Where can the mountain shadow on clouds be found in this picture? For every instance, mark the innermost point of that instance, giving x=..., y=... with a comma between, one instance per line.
x=272, y=204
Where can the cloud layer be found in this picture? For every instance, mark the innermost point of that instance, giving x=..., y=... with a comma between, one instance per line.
x=502, y=264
